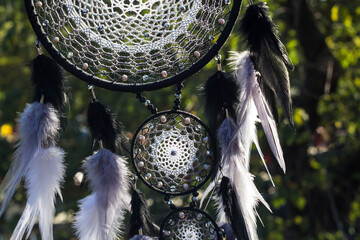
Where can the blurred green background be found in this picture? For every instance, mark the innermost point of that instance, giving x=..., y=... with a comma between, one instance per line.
x=318, y=197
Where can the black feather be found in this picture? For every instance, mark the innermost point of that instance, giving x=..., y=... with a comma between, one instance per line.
x=233, y=213
x=221, y=92
x=50, y=84
x=269, y=55
x=229, y=232
x=141, y=217
x=104, y=126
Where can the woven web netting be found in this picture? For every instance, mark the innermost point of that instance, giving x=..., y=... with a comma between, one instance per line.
x=132, y=41
x=188, y=225
x=171, y=153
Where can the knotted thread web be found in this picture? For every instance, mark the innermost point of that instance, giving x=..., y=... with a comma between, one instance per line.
x=172, y=153
x=108, y=39
x=190, y=226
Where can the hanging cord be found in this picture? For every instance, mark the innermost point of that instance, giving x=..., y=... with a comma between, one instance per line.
x=38, y=47
x=147, y=103
x=218, y=61
x=177, y=96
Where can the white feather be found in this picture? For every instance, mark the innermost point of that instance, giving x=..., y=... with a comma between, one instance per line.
x=101, y=213
x=38, y=126
x=253, y=104
x=43, y=178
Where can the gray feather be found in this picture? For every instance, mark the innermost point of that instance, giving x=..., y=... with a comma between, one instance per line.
x=38, y=127
x=102, y=213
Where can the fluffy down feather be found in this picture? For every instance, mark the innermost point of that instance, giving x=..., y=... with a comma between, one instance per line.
x=102, y=213
x=38, y=127
x=43, y=179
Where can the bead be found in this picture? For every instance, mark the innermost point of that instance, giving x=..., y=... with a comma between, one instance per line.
x=142, y=139
x=70, y=55
x=56, y=39
x=187, y=121
x=124, y=78
x=206, y=166
x=197, y=54
x=181, y=215
x=147, y=102
x=84, y=11
x=101, y=27
x=166, y=26
x=148, y=176
x=38, y=4
x=146, y=35
x=194, y=198
x=181, y=8
x=206, y=139
x=186, y=186
x=145, y=77
x=195, y=194
x=170, y=202
x=166, y=233
x=227, y=2
x=221, y=21
x=177, y=101
x=140, y=164
x=192, y=204
x=164, y=74
x=199, y=217
x=173, y=152
x=45, y=23
x=85, y=66
x=177, y=96
x=150, y=106
x=198, y=179
x=208, y=224
x=159, y=185
x=122, y=36
x=173, y=188
x=163, y=119
x=181, y=66
x=211, y=38
x=208, y=153
x=103, y=73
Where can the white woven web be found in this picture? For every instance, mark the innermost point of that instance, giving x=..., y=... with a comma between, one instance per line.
x=142, y=22
x=173, y=153
x=137, y=38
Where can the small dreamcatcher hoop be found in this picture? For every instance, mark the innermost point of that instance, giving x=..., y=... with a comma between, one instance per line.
x=133, y=45
x=189, y=223
x=172, y=152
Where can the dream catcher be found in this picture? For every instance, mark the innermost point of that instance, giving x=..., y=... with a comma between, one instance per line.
x=137, y=46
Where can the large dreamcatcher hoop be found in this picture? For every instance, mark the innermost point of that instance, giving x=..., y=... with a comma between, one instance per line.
x=133, y=45
x=173, y=152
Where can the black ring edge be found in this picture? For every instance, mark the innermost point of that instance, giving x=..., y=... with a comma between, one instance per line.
x=118, y=86
x=212, y=144
x=217, y=228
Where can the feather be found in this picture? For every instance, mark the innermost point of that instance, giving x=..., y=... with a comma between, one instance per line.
x=269, y=56
x=227, y=205
x=253, y=103
x=220, y=92
x=101, y=213
x=103, y=125
x=141, y=217
x=38, y=127
x=244, y=193
x=43, y=179
x=50, y=84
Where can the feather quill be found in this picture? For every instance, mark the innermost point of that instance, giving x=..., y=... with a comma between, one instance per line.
x=269, y=56
x=43, y=179
x=38, y=127
x=101, y=213
x=253, y=104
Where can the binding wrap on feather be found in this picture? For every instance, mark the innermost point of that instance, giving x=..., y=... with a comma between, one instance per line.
x=37, y=158
x=101, y=213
